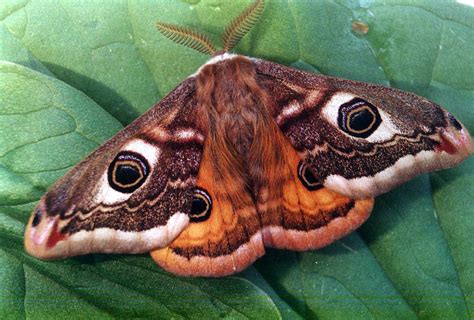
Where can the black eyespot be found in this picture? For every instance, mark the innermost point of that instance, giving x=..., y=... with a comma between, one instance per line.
x=36, y=218
x=128, y=171
x=201, y=206
x=358, y=118
x=454, y=122
x=307, y=178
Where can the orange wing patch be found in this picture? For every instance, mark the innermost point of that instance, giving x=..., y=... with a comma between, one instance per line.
x=309, y=216
x=228, y=241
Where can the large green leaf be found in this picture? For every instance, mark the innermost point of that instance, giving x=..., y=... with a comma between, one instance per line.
x=72, y=60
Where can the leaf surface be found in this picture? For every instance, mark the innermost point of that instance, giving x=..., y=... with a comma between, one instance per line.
x=75, y=74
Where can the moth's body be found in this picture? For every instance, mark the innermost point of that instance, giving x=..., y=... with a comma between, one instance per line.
x=237, y=138
x=243, y=154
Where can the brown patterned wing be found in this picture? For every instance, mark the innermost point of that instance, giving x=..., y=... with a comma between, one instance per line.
x=224, y=236
x=303, y=214
x=361, y=139
x=133, y=193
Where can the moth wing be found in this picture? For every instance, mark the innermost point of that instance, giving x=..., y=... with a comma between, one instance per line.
x=304, y=215
x=133, y=193
x=224, y=237
x=361, y=139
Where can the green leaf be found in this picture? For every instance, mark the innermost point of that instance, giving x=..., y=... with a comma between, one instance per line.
x=46, y=127
x=76, y=73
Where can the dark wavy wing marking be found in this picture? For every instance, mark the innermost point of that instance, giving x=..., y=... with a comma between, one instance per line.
x=170, y=136
x=298, y=99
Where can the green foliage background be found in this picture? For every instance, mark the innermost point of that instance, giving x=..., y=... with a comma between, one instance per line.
x=74, y=73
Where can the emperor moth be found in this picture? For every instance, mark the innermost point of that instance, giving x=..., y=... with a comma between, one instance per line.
x=243, y=154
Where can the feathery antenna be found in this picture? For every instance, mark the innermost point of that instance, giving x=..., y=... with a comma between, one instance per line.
x=235, y=31
x=242, y=24
x=187, y=37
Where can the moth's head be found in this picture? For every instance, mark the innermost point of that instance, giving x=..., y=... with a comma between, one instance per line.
x=377, y=138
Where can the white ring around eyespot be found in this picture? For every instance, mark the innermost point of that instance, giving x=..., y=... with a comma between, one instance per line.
x=385, y=132
x=104, y=193
x=147, y=150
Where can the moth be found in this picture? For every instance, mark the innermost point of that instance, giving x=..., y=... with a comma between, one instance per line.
x=242, y=155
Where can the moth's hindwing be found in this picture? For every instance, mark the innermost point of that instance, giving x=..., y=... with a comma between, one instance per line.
x=361, y=139
x=224, y=234
x=307, y=215
x=133, y=193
